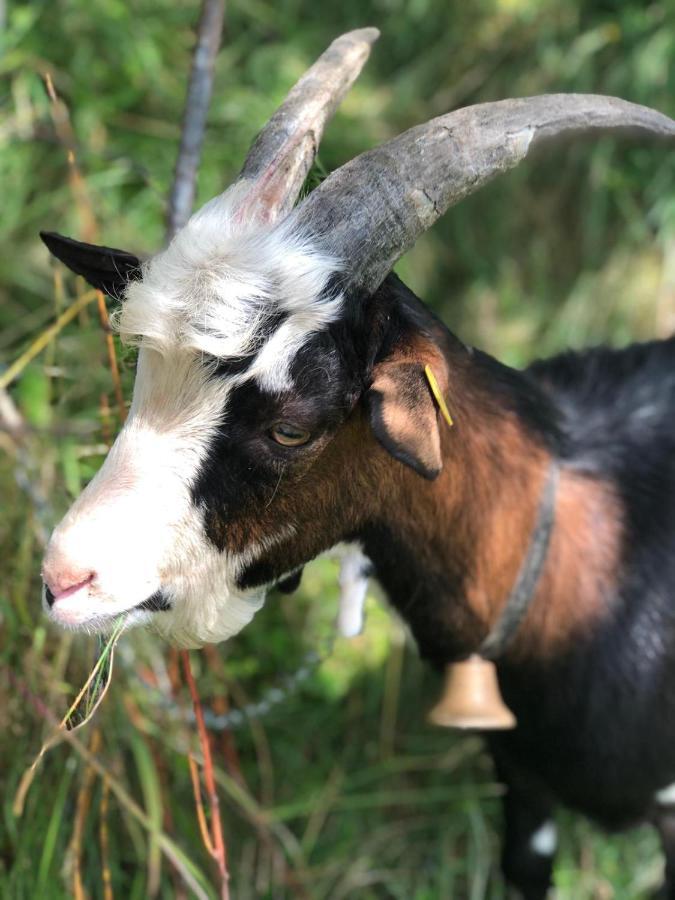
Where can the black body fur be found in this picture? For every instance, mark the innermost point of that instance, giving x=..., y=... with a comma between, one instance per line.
x=596, y=725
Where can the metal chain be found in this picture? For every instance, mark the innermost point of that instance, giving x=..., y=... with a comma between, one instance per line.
x=272, y=698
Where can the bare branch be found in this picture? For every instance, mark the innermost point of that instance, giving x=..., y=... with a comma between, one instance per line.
x=182, y=193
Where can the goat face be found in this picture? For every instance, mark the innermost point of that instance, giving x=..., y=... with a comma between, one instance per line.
x=240, y=387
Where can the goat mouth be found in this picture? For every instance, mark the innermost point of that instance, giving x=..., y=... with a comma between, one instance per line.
x=74, y=618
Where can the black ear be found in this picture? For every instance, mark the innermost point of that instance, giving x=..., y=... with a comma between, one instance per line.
x=104, y=268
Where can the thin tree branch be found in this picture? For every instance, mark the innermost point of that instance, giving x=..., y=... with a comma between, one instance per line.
x=182, y=193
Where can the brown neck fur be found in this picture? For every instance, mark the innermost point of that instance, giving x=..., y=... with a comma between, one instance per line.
x=471, y=528
x=448, y=551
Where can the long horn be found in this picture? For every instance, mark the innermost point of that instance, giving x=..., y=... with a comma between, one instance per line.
x=371, y=210
x=283, y=152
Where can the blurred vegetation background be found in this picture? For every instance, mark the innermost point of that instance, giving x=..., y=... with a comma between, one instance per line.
x=340, y=789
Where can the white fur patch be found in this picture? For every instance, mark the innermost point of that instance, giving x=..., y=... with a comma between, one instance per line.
x=222, y=281
x=353, y=580
x=544, y=841
x=666, y=796
x=354, y=569
x=227, y=288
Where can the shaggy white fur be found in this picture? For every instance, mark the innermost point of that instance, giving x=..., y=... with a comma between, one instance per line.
x=220, y=281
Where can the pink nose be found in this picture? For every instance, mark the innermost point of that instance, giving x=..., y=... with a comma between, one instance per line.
x=62, y=583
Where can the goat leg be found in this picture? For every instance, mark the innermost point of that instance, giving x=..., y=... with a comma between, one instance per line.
x=664, y=819
x=529, y=834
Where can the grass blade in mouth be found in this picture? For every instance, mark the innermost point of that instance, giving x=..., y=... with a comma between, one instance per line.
x=81, y=710
x=96, y=686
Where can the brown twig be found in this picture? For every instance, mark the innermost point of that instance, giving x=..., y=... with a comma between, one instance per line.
x=221, y=706
x=216, y=845
x=106, y=425
x=199, y=804
x=182, y=193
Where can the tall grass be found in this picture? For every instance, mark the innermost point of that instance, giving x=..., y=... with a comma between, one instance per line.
x=341, y=789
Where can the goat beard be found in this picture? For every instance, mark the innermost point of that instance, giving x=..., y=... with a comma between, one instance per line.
x=192, y=623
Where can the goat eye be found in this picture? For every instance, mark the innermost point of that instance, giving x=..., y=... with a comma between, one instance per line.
x=289, y=435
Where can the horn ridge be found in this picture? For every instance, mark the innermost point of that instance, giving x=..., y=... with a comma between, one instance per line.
x=283, y=152
x=372, y=209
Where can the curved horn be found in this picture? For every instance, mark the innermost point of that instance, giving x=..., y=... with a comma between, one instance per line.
x=283, y=152
x=371, y=210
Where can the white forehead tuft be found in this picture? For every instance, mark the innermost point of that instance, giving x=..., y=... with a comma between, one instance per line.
x=222, y=285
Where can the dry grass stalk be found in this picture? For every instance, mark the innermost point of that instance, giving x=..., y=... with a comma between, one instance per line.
x=82, y=806
x=104, y=841
x=45, y=338
x=201, y=815
x=112, y=356
x=172, y=852
x=92, y=693
x=66, y=135
x=78, y=186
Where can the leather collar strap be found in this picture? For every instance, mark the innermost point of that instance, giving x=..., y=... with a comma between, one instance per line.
x=522, y=594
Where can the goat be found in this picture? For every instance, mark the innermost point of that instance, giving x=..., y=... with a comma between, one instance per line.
x=281, y=408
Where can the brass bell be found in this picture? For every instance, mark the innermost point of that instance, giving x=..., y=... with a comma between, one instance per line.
x=471, y=698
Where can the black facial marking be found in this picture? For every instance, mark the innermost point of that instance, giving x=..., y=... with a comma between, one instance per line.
x=321, y=378
x=156, y=603
x=233, y=365
x=256, y=574
x=240, y=470
x=244, y=465
x=291, y=584
x=236, y=365
x=244, y=469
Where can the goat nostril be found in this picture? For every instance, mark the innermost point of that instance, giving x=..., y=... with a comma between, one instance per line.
x=59, y=588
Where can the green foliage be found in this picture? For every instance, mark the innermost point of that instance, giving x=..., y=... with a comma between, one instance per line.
x=342, y=791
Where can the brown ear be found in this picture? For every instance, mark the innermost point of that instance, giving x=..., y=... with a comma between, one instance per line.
x=404, y=414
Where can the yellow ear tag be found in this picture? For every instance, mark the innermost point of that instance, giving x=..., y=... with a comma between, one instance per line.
x=436, y=391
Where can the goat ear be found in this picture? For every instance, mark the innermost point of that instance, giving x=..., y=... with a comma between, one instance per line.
x=404, y=414
x=104, y=268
